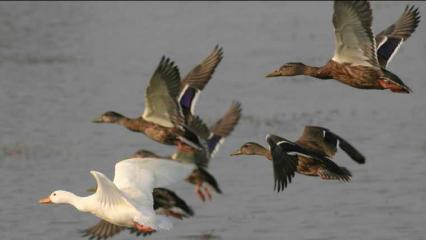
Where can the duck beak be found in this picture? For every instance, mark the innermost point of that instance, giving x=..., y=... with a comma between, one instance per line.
x=236, y=153
x=98, y=120
x=45, y=200
x=275, y=73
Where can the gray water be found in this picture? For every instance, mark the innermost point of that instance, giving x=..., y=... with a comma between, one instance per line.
x=62, y=64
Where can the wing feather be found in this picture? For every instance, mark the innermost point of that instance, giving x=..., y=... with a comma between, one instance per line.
x=355, y=43
x=389, y=40
x=331, y=140
x=161, y=104
x=200, y=75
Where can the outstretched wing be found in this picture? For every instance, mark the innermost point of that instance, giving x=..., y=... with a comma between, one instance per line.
x=192, y=85
x=284, y=164
x=329, y=140
x=355, y=42
x=285, y=159
x=199, y=76
x=102, y=230
x=389, y=40
x=136, y=178
x=344, y=176
x=161, y=105
x=107, y=193
x=146, y=173
x=224, y=127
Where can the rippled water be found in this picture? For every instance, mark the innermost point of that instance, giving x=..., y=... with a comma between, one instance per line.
x=62, y=64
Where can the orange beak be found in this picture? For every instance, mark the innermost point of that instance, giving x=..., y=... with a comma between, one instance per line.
x=45, y=200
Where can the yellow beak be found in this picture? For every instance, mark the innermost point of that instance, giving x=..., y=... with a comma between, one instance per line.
x=45, y=200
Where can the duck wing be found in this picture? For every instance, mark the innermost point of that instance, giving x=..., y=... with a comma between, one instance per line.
x=161, y=105
x=217, y=133
x=199, y=76
x=329, y=142
x=285, y=160
x=344, y=176
x=144, y=174
x=224, y=127
x=107, y=193
x=137, y=177
x=355, y=43
x=105, y=230
x=389, y=40
x=102, y=230
x=167, y=199
x=192, y=85
x=284, y=165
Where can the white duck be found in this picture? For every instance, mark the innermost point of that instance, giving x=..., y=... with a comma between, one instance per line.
x=127, y=201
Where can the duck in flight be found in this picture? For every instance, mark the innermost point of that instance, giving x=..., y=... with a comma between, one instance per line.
x=169, y=102
x=310, y=155
x=127, y=201
x=360, y=59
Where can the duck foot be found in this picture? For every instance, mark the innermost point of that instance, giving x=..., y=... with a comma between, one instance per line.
x=207, y=191
x=199, y=192
x=143, y=229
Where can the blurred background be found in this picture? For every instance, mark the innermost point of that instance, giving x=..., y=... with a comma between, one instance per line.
x=64, y=63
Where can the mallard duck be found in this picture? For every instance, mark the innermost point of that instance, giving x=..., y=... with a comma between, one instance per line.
x=168, y=102
x=127, y=201
x=309, y=155
x=360, y=60
x=165, y=203
x=215, y=136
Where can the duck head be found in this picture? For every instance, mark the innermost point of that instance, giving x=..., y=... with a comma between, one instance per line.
x=57, y=197
x=109, y=117
x=250, y=148
x=288, y=69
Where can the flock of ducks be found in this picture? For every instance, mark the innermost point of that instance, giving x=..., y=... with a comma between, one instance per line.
x=136, y=199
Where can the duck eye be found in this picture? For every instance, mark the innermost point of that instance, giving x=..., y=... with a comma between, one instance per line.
x=54, y=194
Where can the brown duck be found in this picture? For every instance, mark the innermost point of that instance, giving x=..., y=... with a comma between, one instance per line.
x=168, y=102
x=309, y=155
x=166, y=202
x=214, y=136
x=360, y=60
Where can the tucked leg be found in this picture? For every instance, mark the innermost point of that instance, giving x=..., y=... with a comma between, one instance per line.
x=143, y=229
x=199, y=192
x=207, y=191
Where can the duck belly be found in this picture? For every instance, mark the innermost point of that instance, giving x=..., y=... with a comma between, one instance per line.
x=307, y=166
x=121, y=216
x=358, y=76
x=161, y=134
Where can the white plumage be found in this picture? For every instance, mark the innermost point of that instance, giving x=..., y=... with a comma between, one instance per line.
x=128, y=199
